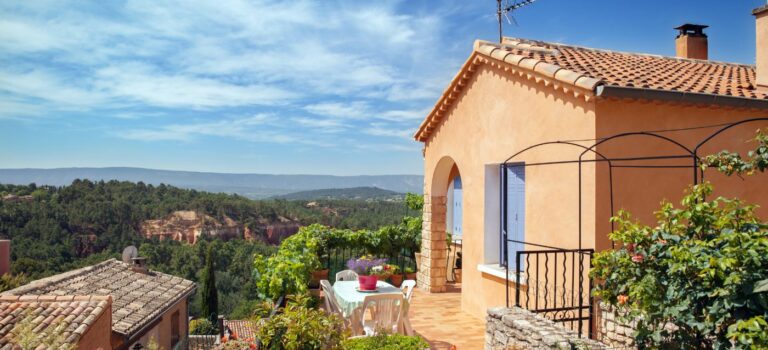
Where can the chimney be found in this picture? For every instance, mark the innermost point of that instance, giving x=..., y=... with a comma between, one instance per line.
x=691, y=42
x=5, y=256
x=140, y=265
x=761, y=50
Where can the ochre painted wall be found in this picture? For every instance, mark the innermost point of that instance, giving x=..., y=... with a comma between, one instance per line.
x=497, y=115
x=99, y=335
x=162, y=331
x=639, y=190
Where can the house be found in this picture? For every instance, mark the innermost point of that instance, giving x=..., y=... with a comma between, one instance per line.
x=141, y=304
x=548, y=141
x=88, y=318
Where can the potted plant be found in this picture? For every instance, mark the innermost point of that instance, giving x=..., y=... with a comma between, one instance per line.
x=368, y=270
x=396, y=277
x=457, y=269
x=410, y=274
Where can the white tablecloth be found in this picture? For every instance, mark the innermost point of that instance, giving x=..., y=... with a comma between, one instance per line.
x=349, y=298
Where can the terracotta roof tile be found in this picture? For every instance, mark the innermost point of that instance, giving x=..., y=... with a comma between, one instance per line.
x=138, y=298
x=46, y=311
x=243, y=328
x=625, y=74
x=623, y=69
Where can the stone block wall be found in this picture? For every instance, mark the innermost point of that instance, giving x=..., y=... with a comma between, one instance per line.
x=611, y=331
x=434, y=248
x=517, y=328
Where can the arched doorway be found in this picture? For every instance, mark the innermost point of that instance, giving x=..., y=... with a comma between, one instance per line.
x=441, y=215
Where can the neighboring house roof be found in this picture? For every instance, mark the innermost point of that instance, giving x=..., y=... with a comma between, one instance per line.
x=76, y=313
x=592, y=72
x=139, y=298
x=245, y=330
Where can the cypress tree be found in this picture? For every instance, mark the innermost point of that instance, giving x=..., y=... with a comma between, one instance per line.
x=210, y=297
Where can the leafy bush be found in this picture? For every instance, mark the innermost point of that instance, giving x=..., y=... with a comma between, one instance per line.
x=9, y=281
x=202, y=326
x=299, y=327
x=290, y=269
x=386, y=342
x=694, y=280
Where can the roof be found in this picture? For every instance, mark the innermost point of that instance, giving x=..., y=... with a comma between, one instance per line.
x=75, y=313
x=138, y=298
x=589, y=72
x=245, y=329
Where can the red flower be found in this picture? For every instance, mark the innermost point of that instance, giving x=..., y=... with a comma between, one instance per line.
x=252, y=346
x=638, y=258
x=622, y=299
x=631, y=247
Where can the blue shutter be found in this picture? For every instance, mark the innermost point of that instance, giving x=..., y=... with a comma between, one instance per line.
x=515, y=206
x=457, y=211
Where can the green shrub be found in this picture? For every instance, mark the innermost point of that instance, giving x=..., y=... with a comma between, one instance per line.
x=202, y=326
x=299, y=327
x=9, y=281
x=700, y=270
x=386, y=342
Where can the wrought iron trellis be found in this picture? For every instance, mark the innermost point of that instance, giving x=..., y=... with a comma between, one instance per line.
x=572, y=312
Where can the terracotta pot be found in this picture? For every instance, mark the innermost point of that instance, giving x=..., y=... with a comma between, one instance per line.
x=457, y=275
x=396, y=280
x=367, y=282
x=317, y=276
x=410, y=276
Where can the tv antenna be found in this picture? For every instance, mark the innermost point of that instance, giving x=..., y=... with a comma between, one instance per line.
x=504, y=8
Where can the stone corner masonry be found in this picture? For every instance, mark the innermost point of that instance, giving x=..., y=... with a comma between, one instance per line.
x=517, y=328
x=434, y=248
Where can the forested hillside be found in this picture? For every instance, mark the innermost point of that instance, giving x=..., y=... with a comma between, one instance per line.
x=357, y=193
x=55, y=229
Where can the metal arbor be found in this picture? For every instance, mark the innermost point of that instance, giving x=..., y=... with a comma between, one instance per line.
x=552, y=296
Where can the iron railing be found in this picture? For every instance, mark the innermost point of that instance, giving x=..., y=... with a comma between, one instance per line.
x=555, y=283
x=336, y=259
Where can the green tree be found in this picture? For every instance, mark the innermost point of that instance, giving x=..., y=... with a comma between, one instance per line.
x=210, y=300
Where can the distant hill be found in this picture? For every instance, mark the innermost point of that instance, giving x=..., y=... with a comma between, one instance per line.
x=250, y=185
x=358, y=193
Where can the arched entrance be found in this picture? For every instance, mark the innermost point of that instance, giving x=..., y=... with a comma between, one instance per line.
x=438, y=221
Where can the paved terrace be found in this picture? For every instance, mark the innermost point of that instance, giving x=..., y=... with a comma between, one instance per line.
x=438, y=319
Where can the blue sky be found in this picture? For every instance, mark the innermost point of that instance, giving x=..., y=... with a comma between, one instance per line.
x=310, y=87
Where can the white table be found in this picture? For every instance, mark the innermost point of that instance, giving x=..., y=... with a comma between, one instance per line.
x=349, y=298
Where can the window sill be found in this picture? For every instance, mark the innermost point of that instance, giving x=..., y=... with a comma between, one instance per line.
x=499, y=271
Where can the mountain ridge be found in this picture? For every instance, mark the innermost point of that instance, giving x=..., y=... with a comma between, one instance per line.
x=251, y=185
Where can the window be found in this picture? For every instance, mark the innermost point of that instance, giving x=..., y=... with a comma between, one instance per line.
x=513, y=212
x=175, y=331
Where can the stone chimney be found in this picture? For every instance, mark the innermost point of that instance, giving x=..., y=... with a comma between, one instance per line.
x=5, y=256
x=140, y=265
x=761, y=50
x=691, y=42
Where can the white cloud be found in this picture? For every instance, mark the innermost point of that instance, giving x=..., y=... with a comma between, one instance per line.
x=379, y=129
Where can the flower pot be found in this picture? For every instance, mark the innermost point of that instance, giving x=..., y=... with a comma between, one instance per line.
x=410, y=276
x=396, y=280
x=367, y=282
x=316, y=277
x=457, y=275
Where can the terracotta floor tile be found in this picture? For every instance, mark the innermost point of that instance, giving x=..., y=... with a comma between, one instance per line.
x=438, y=318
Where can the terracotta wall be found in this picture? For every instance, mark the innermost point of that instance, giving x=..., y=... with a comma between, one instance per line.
x=639, y=190
x=162, y=331
x=5, y=257
x=99, y=335
x=496, y=116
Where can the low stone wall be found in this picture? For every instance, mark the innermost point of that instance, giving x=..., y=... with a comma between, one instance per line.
x=611, y=331
x=517, y=328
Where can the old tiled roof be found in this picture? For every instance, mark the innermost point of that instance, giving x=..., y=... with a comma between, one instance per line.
x=644, y=71
x=46, y=312
x=587, y=72
x=138, y=298
x=245, y=330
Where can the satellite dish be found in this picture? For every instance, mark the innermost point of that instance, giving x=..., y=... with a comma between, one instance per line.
x=129, y=253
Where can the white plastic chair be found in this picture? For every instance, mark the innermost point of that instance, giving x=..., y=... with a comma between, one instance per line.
x=407, y=287
x=331, y=304
x=386, y=311
x=346, y=275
